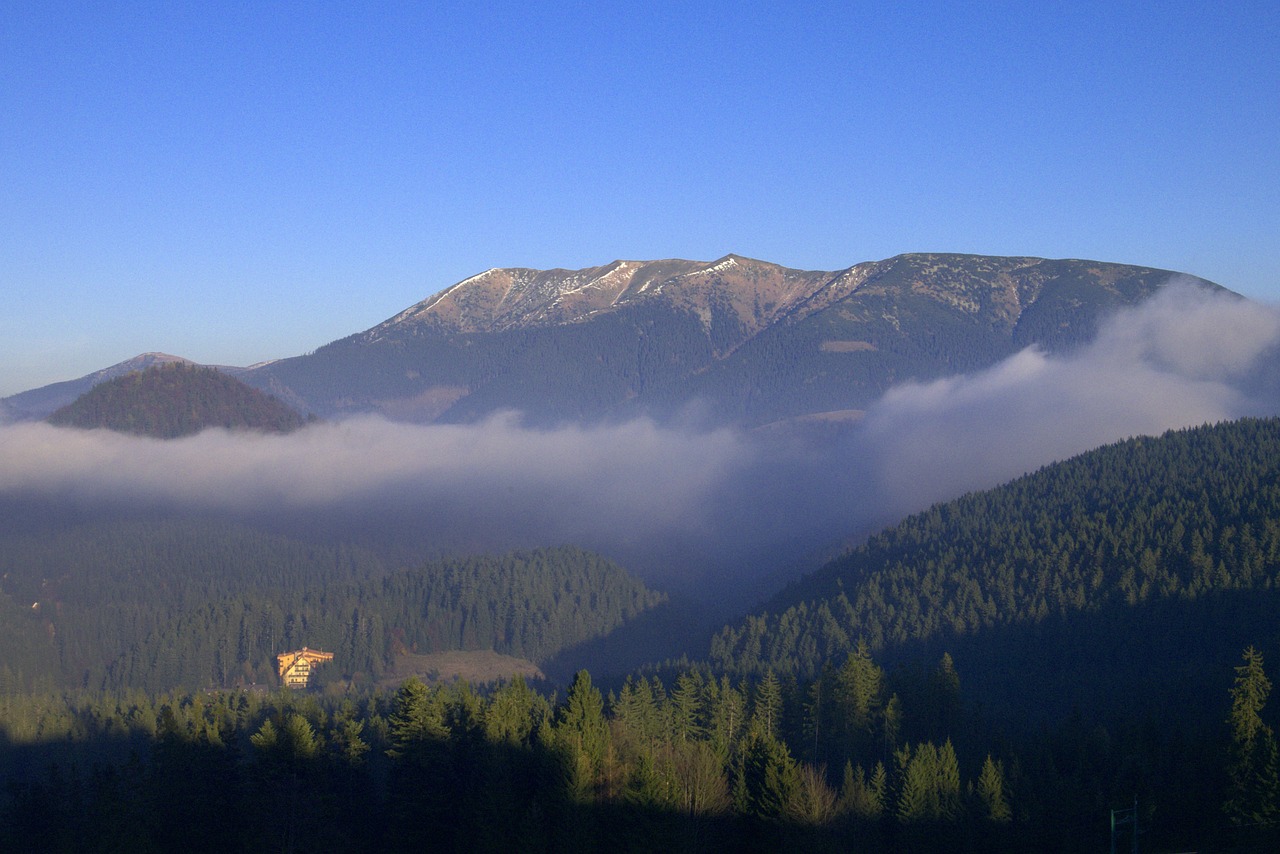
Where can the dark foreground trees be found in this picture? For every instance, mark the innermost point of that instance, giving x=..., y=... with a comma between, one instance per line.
x=1253, y=765
x=706, y=764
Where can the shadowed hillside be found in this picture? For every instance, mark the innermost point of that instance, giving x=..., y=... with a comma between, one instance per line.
x=176, y=399
x=1098, y=541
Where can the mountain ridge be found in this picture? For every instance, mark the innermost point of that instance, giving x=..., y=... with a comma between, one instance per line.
x=40, y=402
x=532, y=298
x=751, y=341
x=539, y=292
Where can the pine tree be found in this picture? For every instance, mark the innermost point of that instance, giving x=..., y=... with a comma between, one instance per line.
x=813, y=728
x=771, y=777
x=284, y=771
x=948, y=782
x=417, y=717
x=995, y=806
x=857, y=796
x=509, y=718
x=686, y=708
x=767, y=708
x=892, y=724
x=856, y=701
x=1253, y=767
x=346, y=742
x=944, y=687
x=583, y=734
x=878, y=788
x=918, y=793
x=727, y=718
x=645, y=787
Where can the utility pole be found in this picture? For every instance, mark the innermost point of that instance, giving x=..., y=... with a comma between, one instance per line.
x=1119, y=818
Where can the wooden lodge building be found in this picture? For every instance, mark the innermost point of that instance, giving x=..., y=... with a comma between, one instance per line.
x=295, y=667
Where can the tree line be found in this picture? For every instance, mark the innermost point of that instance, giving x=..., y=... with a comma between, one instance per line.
x=158, y=605
x=856, y=758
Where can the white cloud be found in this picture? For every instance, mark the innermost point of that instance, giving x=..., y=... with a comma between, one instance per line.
x=1176, y=361
x=672, y=502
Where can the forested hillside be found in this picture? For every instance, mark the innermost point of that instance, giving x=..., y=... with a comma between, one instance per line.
x=161, y=604
x=176, y=399
x=40, y=403
x=1133, y=588
x=1182, y=517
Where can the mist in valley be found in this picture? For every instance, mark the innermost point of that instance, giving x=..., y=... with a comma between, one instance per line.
x=720, y=515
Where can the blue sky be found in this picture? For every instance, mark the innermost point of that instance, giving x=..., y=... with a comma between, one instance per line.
x=246, y=181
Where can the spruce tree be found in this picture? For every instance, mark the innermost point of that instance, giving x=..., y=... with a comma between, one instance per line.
x=995, y=806
x=1253, y=768
x=582, y=733
x=771, y=777
x=767, y=708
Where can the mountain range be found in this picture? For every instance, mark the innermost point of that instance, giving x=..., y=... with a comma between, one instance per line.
x=733, y=341
x=994, y=672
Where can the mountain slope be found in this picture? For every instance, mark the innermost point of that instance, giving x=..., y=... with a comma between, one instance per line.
x=748, y=341
x=752, y=293
x=176, y=399
x=738, y=341
x=1183, y=518
x=41, y=402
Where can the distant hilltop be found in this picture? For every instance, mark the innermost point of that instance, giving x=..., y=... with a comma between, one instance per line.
x=41, y=402
x=176, y=398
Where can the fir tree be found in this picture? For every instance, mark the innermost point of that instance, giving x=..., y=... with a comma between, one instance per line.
x=771, y=777
x=1253, y=768
x=995, y=806
x=767, y=708
x=583, y=734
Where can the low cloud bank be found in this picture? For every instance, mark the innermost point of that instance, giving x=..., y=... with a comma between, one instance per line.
x=674, y=503
x=1186, y=357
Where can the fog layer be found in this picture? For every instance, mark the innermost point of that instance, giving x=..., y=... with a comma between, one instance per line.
x=677, y=504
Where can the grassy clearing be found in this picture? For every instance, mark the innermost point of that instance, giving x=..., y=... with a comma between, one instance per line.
x=475, y=666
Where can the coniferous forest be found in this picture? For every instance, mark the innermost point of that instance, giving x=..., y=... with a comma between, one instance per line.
x=558, y=427
x=699, y=763
x=1014, y=670
x=160, y=606
x=177, y=399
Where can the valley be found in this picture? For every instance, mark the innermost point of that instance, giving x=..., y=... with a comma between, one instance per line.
x=941, y=552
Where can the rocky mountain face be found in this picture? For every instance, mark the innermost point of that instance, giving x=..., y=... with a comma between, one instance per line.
x=733, y=341
x=752, y=294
